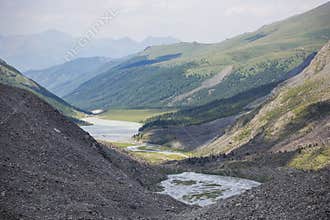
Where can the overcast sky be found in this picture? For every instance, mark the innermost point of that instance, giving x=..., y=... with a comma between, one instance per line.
x=188, y=20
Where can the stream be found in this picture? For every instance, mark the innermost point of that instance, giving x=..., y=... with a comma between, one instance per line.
x=151, y=148
x=188, y=187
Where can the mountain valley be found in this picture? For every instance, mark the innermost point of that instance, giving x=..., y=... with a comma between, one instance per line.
x=163, y=129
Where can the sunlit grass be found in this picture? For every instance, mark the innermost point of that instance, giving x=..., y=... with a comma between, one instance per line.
x=133, y=115
x=162, y=148
x=119, y=145
x=157, y=157
x=311, y=158
x=149, y=157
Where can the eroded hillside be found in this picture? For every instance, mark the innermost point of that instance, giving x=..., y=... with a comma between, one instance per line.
x=296, y=116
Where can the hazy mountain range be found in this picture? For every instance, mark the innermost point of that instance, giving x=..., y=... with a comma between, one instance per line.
x=62, y=79
x=49, y=48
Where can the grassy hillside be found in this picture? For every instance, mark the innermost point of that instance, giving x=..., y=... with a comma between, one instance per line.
x=11, y=76
x=159, y=74
x=134, y=87
x=295, y=117
x=234, y=105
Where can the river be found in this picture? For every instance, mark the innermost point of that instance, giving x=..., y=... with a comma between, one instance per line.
x=188, y=187
x=122, y=131
x=111, y=130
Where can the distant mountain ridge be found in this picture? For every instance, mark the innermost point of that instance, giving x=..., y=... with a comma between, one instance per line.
x=49, y=48
x=64, y=78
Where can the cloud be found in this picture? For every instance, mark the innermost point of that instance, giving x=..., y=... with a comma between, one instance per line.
x=246, y=9
x=189, y=20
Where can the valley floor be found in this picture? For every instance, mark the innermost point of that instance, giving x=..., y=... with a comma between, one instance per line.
x=51, y=169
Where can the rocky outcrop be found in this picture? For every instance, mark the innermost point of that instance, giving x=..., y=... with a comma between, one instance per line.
x=188, y=137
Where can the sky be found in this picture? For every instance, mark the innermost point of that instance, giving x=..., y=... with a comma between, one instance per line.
x=188, y=20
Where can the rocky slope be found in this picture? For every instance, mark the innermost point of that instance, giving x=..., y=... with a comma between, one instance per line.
x=296, y=116
x=51, y=169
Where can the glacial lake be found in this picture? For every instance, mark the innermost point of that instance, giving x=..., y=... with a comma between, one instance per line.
x=204, y=189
